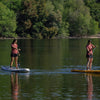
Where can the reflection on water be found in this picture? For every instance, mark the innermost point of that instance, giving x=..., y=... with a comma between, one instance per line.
x=90, y=86
x=14, y=86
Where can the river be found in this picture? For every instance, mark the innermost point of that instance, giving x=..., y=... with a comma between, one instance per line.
x=50, y=78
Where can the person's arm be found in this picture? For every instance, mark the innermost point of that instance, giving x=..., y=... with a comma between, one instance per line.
x=93, y=46
x=14, y=47
x=87, y=49
x=19, y=51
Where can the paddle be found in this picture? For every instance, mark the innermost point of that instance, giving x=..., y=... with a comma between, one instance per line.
x=94, y=49
x=18, y=59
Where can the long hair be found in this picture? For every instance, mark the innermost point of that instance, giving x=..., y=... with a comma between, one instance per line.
x=89, y=41
x=14, y=41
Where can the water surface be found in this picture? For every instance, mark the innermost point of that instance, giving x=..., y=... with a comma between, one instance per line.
x=50, y=78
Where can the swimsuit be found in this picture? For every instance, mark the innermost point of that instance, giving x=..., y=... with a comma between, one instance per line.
x=90, y=52
x=14, y=52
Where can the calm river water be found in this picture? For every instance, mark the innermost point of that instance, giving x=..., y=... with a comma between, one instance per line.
x=50, y=78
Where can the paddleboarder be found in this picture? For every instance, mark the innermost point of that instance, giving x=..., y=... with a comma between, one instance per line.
x=14, y=53
x=89, y=54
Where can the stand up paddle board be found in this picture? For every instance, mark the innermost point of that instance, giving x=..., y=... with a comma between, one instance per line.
x=87, y=71
x=19, y=70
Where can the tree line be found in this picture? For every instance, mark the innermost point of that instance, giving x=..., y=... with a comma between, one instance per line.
x=49, y=18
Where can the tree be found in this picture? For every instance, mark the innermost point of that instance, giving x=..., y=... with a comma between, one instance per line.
x=59, y=5
x=14, y=5
x=94, y=6
x=7, y=22
x=78, y=16
x=38, y=19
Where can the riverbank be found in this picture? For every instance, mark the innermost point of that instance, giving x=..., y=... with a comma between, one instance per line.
x=93, y=36
x=75, y=37
x=61, y=37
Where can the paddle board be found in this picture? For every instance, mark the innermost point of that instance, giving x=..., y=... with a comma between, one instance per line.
x=87, y=71
x=19, y=70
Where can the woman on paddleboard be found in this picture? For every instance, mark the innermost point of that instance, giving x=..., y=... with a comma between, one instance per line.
x=89, y=54
x=14, y=53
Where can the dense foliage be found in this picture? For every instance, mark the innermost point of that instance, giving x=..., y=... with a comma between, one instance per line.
x=80, y=21
x=39, y=19
x=49, y=18
x=94, y=6
x=7, y=21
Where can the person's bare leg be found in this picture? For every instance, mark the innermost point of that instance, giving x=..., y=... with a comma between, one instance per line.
x=16, y=60
x=90, y=65
x=88, y=61
x=11, y=63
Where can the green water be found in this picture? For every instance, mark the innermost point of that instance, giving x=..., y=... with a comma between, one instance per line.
x=50, y=77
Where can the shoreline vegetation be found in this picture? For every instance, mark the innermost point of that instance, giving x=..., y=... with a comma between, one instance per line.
x=49, y=19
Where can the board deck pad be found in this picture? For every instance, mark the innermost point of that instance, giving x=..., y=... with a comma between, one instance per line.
x=86, y=71
x=13, y=69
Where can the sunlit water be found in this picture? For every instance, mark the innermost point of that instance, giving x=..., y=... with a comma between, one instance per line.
x=50, y=78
